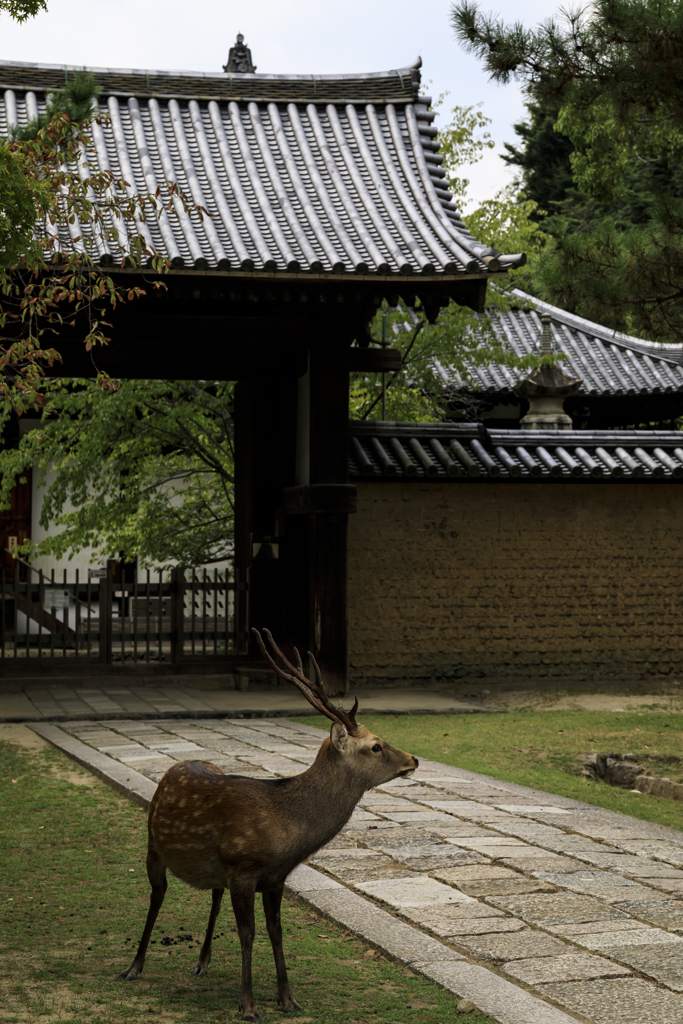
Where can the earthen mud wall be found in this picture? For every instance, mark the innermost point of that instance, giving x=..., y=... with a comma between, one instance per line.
x=516, y=585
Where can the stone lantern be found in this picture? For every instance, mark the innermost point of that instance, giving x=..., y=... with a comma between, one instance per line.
x=546, y=389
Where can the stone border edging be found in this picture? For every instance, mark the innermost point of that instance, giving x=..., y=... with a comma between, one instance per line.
x=502, y=1000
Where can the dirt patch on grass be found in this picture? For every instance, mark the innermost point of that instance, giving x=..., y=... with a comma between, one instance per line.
x=532, y=700
x=21, y=736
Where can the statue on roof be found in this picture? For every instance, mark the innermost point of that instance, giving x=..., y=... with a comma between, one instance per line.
x=239, y=58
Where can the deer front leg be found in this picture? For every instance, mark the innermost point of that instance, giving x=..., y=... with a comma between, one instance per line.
x=243, y=906
x=205, y=954
x=272, y=902
x=156, y=872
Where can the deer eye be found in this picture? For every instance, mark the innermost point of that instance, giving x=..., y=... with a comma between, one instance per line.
x=377, y=749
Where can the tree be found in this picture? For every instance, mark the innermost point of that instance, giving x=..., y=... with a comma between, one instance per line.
x=50, y=192
x=22, y=10
x=543, y=157
x=614, y=72
x=459, y=339
x=132, y=469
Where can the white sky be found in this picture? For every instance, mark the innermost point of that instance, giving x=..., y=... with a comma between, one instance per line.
x=307, y=37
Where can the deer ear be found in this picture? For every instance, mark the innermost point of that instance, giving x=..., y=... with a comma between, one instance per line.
x=339, y=737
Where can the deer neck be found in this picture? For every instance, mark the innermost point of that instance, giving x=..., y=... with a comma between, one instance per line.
x=325, y=795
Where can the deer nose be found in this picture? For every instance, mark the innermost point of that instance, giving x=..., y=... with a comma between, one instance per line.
x=417, y=763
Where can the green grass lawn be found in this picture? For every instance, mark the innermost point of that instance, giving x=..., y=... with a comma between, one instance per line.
x=540, y=750
x=73, y=903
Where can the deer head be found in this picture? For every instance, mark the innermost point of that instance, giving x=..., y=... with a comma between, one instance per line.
x=369, y=759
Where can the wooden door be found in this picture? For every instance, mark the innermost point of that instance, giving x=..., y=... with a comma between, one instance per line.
x=15, y=525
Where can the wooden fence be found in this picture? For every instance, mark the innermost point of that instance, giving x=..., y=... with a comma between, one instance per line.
x=172, y=617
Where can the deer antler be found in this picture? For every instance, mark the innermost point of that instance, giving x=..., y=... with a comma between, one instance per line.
x=314, y=693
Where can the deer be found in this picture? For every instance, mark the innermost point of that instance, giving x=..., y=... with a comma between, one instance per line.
x=216, y=831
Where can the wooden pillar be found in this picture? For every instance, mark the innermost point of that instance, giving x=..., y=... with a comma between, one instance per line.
x=265, y=429
x=243, y=472
x=329, y=412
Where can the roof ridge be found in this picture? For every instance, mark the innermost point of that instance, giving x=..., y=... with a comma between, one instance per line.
x=669, y=352
x=388, y=428
x=402, y=72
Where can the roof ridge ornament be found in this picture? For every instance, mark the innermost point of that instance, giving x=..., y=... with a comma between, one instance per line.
x=239, y=58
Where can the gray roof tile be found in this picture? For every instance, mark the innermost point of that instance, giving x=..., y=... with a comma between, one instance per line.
x=609, y=363
x=319, y=174
x=469, y=452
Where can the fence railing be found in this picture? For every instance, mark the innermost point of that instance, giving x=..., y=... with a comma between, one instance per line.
x=167, y=617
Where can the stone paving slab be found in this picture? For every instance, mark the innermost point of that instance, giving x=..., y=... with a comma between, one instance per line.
x=567, y=967
x=662, y=961
x=557, y=908
x=120, y=777
x=665, y=915
x=618, y=1001
x=442, y=872
x=501, y=948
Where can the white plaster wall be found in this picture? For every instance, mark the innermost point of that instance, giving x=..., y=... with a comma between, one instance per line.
x=82, y=561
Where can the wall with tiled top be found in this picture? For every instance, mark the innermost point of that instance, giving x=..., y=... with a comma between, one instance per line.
x=515, y=585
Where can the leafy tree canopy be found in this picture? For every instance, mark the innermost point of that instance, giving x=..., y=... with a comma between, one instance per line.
x=75, y=101
x=57, y=208
x=132, y=469
x=613, y=72
x=22, y=10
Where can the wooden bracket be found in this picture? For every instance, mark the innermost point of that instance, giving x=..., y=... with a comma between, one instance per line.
x=320, y=499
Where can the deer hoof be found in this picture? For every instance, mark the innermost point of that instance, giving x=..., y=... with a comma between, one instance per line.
x=127, y=976
x=253, y=1016
x=199, y=971
x=292, y=1007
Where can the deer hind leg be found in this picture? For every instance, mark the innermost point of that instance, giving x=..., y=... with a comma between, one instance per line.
x=271, y=906
x=156, y=872
x=243, y=906
x=205, y=953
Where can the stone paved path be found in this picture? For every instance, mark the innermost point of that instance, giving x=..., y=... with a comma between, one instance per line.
x=580, y=906
x=195, y=698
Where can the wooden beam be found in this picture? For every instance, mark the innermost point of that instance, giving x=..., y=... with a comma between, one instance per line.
x=374, y=360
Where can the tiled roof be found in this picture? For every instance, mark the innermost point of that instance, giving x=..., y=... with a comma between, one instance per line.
x=299, y=173
x=608, y=363
x=469, y=452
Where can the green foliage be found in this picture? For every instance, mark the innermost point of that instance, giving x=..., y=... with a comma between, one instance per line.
x=23, y=197
x=631, y=280
x=50, y=272
x=464, y=140
x=132, y=469
x=459, y=339
x=22, y=10
x=610, y=76
x=76, y=100
x=543, y=157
